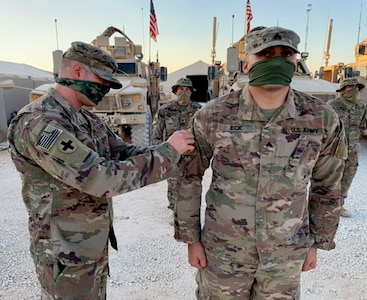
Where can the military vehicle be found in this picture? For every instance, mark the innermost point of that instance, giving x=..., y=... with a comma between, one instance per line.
x=127, y=111
x=336, y=73
x=230, y=76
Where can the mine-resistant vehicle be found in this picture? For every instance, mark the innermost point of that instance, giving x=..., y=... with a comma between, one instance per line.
x=127, y=111
x=230, y=76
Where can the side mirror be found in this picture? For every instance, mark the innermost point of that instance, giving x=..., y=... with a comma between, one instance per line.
x=7, y=84
x=163, y=73
x=348, y=72
x=212, y=72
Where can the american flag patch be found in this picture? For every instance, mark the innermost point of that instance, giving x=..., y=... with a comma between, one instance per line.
x=48, y=138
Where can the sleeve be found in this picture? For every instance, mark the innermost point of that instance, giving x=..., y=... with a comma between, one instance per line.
x=58, y=152
x=158, y=128
x=122, y=150
x=363, y=124
x=191, y=171
x=325, y=190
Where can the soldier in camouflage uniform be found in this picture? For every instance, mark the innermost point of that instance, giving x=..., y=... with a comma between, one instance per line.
x=71, y=165
x=353, y=114
x=171, y=117
x=265, y=144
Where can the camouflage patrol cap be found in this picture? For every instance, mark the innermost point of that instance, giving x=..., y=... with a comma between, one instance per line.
x=350, y=81
x=100, y=62
x=183, y=82
x=265, y=37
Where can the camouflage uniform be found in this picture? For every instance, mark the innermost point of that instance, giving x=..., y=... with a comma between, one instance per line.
x=71, y=165
x=354, y=118
x=257, y=213
x=170, y=118
x=261, y=216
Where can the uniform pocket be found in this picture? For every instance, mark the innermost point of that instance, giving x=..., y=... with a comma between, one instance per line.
x=302, y=160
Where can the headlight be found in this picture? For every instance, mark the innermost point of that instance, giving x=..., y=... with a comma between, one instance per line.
x=126, y=102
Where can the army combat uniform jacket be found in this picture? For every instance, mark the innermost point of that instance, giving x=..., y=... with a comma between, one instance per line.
x=257, y=206
x=170, y=118
x=354, y=119
x=71, y=165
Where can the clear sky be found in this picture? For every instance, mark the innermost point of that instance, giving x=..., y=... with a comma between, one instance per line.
x=29, y=32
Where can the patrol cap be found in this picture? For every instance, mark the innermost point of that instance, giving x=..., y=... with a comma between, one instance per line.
x=350, y=81
x=183, y=82
x=265, y=37
x=101, y=63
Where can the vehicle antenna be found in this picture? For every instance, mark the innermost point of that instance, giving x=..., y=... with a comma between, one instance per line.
x=308, y=15
x=142, y=20
x=57, y=37
x=359, y=25
x=232, y=28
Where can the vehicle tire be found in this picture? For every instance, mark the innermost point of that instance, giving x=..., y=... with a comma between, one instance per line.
x=141, y=135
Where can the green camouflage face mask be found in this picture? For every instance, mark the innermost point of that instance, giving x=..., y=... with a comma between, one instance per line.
x=276, y=70
x=183, y=98
x=93, y=90
x=350, y=95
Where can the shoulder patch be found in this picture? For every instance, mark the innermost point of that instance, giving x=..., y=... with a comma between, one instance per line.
x=55, y=136
x=48, y=137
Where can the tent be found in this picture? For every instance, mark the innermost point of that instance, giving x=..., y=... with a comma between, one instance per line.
x=25, y=79
x=197, y=72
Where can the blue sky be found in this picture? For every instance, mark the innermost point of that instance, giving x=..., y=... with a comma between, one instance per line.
x=28, y=27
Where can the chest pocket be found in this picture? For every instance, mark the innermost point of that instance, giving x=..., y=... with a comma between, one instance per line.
x=303, y=159
x=235, y=150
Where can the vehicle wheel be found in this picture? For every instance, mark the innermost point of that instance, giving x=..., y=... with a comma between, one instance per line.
x=141, y=135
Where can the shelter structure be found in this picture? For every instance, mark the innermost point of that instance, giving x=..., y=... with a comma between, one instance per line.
x=25, y=79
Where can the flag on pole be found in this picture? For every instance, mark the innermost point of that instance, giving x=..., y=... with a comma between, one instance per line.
x=153, y=23
x=248, y=16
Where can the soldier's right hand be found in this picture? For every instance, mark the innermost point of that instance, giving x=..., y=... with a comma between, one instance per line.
x=182, y=140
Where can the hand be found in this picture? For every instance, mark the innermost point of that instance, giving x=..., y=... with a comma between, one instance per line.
x=182, y=140
x=197, y=257
x=310, y=260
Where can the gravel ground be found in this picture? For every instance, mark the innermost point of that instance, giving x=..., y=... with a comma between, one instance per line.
x=150, y=264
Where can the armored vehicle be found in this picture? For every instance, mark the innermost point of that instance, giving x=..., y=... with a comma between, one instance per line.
x=127, y=111
x=230, y=76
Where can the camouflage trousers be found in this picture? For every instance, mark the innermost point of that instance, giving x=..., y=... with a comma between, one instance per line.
x=73, y=282
x=172, y=191
x=350, y=170
x=228, y=280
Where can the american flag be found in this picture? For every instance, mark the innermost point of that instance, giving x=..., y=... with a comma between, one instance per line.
x=248, y=16
x=153, y=23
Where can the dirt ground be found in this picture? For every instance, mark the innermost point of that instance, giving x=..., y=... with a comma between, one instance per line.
x=150, y=264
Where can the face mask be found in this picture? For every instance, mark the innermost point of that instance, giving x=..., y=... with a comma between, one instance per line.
x=276, y=70
x=183, y=98
x=350, y=95
x=93, y=90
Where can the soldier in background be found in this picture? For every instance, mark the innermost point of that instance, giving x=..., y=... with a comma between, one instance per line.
x=265, y=144
x=171, y=117
x=71, y=165
x=353, y=114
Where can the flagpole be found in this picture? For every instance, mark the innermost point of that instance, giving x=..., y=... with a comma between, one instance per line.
x=248, y=17
x=153, y=27
x=150, y=43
